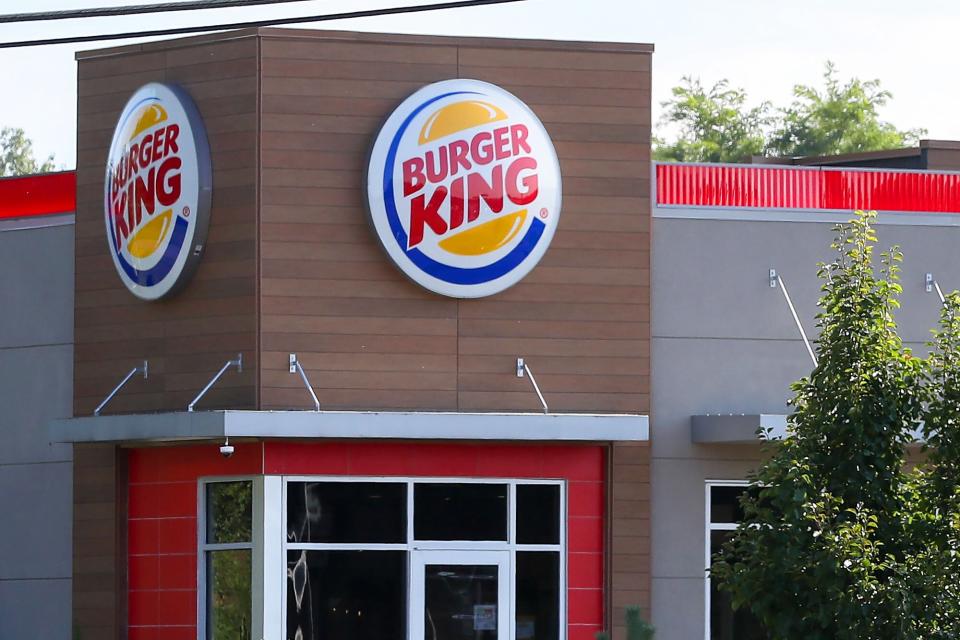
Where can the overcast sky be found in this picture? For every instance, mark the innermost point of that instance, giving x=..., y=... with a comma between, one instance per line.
x=761, y=45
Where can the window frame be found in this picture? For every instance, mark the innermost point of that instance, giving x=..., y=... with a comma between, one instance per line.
x=710, y=527
x=412, y=544
x=255, y=546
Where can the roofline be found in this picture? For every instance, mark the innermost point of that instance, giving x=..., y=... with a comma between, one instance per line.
x=368, y=37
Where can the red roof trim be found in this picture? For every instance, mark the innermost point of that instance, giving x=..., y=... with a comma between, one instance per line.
x=764, y=187
x=38, y=195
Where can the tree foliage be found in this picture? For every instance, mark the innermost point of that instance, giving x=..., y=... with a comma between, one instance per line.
x=717, y=125
x=16, y=154
x=840, y=539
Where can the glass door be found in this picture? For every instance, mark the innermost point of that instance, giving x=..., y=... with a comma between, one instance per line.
x=459, y=595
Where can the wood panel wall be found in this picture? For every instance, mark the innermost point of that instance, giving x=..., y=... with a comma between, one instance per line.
x=370, y=338
x=188, y=337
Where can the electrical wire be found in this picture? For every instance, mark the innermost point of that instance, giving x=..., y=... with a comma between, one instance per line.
x=107, y=12
x=389, y=11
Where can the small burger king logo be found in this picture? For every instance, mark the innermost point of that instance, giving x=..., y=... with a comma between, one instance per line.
x=463, y=188
x=157, y=191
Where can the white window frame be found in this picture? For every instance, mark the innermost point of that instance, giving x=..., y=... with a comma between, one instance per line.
x=710, y=527
x=279, y=624
x=255, y=546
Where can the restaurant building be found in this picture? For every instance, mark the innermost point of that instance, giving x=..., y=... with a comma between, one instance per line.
x=342, y=335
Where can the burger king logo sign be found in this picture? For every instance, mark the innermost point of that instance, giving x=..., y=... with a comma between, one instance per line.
x=463, y=188
x=157, y=191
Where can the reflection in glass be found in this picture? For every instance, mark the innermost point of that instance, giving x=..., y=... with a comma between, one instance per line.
x=460, y=602
x=229, y=605
x=460, y=511
x=725, y=623
x=538, y=514
x=346, y=595
x=229, y=511
x=346, y=512
x=538, y=595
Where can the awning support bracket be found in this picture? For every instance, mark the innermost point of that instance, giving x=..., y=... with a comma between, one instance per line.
x=931, y=284
x=295, y=366
x=521, y=368
x=776, y=280
x=238, y=363
x=145, y=369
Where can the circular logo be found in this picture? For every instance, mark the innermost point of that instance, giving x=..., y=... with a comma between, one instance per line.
x=463, y=188
x=156, y=193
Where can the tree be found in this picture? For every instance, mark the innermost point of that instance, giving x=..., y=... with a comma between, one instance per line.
x=840, y=119
x=839, y=539
x=16, y=154
x=715, y=125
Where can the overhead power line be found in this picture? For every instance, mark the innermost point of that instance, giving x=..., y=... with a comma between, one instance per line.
x=388, y=11
x=108, y=12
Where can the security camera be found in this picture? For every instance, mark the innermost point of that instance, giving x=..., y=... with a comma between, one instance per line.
x=226, y=450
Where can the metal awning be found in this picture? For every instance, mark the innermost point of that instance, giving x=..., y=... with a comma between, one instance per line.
x=736, y=429
x=211, y=425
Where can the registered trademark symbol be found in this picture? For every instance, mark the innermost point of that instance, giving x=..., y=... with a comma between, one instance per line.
x=186, y=212
x=544, y=213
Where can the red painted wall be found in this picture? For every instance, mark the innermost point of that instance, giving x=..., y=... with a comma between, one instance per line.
x=163, y=512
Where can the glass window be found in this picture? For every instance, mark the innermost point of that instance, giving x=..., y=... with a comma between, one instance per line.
x=460, y=602
x=460, y=511
x=538, y=595
x=725, y=513
x=347, y=595
x=538, y=514
x=374, y=512
x=229, y=512
x=228, y=559
x=229, y=602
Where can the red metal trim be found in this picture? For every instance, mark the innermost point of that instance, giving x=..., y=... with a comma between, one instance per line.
x=38, y=195
x=764, y=187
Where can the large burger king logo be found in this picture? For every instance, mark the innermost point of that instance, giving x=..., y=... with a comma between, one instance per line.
x=463, y=188
x=157, y=191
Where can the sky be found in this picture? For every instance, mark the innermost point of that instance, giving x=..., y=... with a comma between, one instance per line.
x=762, y=46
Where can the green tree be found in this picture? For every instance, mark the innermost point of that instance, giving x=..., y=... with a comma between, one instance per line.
x=840, y=540
x=840, y=118
x=715, y=124
x=16, y=154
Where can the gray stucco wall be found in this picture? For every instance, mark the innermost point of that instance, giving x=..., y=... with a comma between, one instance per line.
x=723, y=341
x=36, y=385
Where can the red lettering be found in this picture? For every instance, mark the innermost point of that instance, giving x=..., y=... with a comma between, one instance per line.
x=518, y=138
x=158, y=146
x=436, y=165
x=144, y=196
x=530, y=182
x=120, y=229
x=134, y=153
x=146, y=148
x=481, y=148
x=131, y=215
x=413, y=178
x=429, y=214
x=491, y=193
x=168, y=185
x=456, y=203
x=170, y=140
x=501, y=138
x=459, y=151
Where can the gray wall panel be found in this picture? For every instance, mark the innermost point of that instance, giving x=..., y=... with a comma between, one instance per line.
x=36, y=286
x=36, y=386
x=35, y=609
x=723, y=341
x=38, y=520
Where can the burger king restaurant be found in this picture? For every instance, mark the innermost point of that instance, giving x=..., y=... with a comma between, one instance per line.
x=349, y=336
x=360, y=341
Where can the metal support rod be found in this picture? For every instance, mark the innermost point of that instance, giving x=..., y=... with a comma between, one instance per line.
x=144, y=369
x=793, y=312
x=238, y=363
x=296, y=366
x=521, y=368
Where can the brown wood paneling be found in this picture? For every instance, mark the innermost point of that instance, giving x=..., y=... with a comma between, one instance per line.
x=215, y=316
